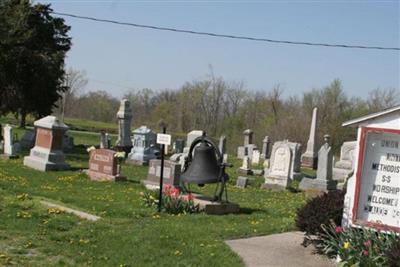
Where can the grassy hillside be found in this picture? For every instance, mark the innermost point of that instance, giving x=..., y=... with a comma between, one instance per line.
x=129, y=234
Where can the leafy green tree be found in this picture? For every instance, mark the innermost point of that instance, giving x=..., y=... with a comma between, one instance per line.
x=33, y=45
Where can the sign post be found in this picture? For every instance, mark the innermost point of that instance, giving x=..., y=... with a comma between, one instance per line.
x=162, y=139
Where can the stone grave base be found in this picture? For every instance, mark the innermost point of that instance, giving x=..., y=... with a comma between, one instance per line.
x=6, y=156
x=215, y=208
x=39, y=164
x=340, y=174
x=245, y=171
x=276, y=183
x=258, y=172
x=126, y=149
x=309, y=161
x=273, y=187
x=150, y=185
x=98, y=176
x=136, y=162
x=318, y=184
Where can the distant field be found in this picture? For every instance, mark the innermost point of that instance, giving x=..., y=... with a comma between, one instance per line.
x=83, y=125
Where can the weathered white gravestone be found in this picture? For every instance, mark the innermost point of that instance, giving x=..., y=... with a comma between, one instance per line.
x=47, y=154
x=324, y=180
x=124, y=116
x=222, y=144
x=255, y=159
x=373, y=192
x=245, y=168
x=309, y=158
x=346, y=163
x=190, y=138
x=284, y=165
x=144, y=146
x=248, y=146
x=10, y=150
x=278, y=174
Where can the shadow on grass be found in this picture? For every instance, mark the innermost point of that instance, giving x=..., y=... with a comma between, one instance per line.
x=251, y=211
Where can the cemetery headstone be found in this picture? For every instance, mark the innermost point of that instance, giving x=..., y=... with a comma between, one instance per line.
x=68, y=142
x=225, y=158
x=373, y=193
x=345, y=165
x=245, y=168
x=284, y=165
x=179, y=145
x=103, y=140
x=171, y=175
x=124, y=116
x=255, y=159
x=103, y=166
x=309, y=158
x=266, y=148
x=190, y=138
x=10, y=149
x=222, y=144
x=242, y=182
x=47, y=154
x=28, y=139
x=324, y=180
x=248, y=147
x=144, y=147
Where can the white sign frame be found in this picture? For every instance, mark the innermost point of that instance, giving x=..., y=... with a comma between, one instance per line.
x=360, y=176
x=164, y=139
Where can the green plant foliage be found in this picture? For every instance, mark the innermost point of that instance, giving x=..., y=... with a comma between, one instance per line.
x=33, y=45
x=320, y=210
x=393, y=254
x=356, y=247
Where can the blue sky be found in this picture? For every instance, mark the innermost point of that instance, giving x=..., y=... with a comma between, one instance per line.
x=117, y=58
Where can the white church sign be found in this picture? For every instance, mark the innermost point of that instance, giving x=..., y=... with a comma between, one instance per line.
x=373, y=193
x=377, y=192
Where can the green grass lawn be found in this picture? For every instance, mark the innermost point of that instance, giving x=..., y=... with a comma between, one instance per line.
x=129, y=234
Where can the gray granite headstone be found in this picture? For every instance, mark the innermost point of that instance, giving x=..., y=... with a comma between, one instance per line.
x=124, y=117
x=103, y=140
x=266, y=148
x=248, y=137
x=324, y=180
x=179, y=145
x=171, y=175
x=248, y=147
x=242, y=182
x=144, y=146
x=28, y=139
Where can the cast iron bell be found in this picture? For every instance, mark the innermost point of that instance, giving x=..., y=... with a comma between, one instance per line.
x=205, y=165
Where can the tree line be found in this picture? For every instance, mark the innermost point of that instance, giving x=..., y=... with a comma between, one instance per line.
x=33, y=45
x=227, y=108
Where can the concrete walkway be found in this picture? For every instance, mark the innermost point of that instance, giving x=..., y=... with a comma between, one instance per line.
x=279, y=250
